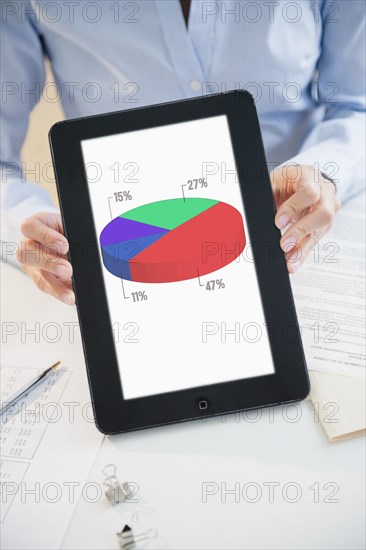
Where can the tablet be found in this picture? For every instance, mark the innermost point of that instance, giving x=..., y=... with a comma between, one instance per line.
x=183, y=295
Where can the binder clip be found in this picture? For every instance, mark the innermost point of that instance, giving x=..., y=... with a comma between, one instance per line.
x=117, y=492
x=128, y=540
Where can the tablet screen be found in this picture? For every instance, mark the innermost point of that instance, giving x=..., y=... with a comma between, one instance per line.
x=177, y=257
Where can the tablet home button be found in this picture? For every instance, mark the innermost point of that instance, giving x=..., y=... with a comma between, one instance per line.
x=203, y=404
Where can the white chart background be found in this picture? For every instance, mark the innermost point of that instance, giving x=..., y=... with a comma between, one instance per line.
x=168, y=352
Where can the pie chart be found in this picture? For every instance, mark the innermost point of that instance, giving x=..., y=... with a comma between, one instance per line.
x=172, y=240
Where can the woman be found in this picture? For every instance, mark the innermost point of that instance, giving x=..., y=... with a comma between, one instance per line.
x=303, y=62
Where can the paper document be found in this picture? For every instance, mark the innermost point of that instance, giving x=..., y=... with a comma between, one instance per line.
x=329, y=292
x=48, y=446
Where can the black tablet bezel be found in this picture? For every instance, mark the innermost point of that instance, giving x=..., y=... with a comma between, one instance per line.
x=112, y=413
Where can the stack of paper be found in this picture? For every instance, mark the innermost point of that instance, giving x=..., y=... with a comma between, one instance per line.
x=340, y=404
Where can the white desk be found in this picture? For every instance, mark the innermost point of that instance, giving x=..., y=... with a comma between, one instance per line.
x=170, y=464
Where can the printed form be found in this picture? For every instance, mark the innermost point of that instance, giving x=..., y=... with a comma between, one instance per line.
x=329, y=292
x=48, y=446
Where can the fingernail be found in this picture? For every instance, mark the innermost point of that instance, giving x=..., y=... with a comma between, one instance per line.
x=63, y=271
x=288, y=244
x=68, y=298
x=282, y=221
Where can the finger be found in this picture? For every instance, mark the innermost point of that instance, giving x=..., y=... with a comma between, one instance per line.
x=33, y=255
x=281, y=191
x=320, y=217
x=328, y=186
x=297, y=257
x=39, y=280
x=59, y=290
x=307, y=194
x=46, y=282
x=52, y=219
x=35, y=229
x=276, y=187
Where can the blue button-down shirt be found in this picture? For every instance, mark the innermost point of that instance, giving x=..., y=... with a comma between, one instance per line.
x=302, y=61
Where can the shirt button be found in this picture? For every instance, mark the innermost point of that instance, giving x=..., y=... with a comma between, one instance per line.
x=196, y=85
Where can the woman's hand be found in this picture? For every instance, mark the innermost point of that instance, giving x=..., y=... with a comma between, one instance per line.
x=42, y=255
x=306, y=203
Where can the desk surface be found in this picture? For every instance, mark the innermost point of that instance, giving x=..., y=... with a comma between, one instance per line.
x=263, y=480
